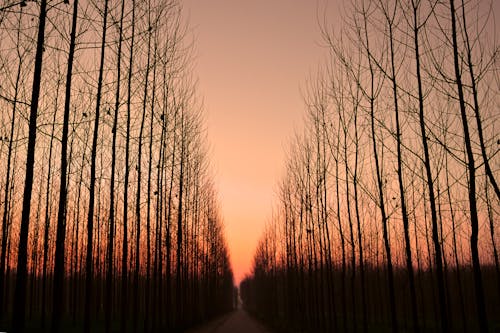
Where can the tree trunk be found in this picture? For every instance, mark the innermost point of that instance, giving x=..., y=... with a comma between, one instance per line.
x=429, y=179
x=109, y=271
x=471, y=168
x=381, y=201
x=404, y=212
x=124, y=302
x=6, y=201
x=21, y=271
x=90, y=216
x=136, y=307
x=63, y=191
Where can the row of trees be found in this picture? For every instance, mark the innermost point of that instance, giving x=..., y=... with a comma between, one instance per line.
x=110, y=218
x=386, y=217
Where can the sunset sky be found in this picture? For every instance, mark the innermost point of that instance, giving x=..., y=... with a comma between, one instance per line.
x=252, y=58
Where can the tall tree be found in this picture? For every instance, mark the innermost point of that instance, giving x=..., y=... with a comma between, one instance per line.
x=63, y=191
x=390, y=15
x=371, y=95
x=416, y=26
x=7, y=185
x=93, y=157
x=111, y=235
x=136, y=301
x=471, y=168
x=124, y=304
x=18, y=319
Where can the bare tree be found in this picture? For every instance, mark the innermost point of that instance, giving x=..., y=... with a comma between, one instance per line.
x=61, y=214
x=7, y=184
x=92, y=185
x=476, y=265
x=21, y=272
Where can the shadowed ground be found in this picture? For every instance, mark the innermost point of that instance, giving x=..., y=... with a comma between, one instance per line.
x=238, y=321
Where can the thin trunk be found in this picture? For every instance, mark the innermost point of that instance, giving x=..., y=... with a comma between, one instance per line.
x=390, y=273
x=417, y=254
x=471, y=168
x=474, y=81
x=351, y=233
x=76, y=240
x=179, y=225
x=429, y=258
x=90, y=217
x=47, y=214
x=169, y=221
x=6, y=201
x=34, y=249
x=158, y=270
x=109, y=271
x=445, y=263
x=455, y=252
x=404, y=212
x=136, y=307
x=148, y=204
x=342, y=238
x=63, y=191
x=124, y=302
x=358, y=220
x=429, y=179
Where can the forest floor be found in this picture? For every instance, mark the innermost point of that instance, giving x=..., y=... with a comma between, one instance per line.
x=237, y=321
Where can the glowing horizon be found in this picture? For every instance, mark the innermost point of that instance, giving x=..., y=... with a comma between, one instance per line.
x=250, y=78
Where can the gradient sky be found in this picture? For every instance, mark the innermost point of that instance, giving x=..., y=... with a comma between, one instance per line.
x=252, y=57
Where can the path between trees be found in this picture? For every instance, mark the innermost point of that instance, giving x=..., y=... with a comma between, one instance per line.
x=238, y=321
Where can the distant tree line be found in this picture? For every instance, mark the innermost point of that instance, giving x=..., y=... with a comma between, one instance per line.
x=110, y=220
x=386, y=217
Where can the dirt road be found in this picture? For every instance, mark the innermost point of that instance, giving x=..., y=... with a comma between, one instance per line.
x=238, y=321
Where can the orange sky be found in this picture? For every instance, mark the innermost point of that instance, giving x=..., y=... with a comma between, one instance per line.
x=252, y=58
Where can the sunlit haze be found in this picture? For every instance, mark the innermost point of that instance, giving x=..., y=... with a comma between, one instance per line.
x=253, y=57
